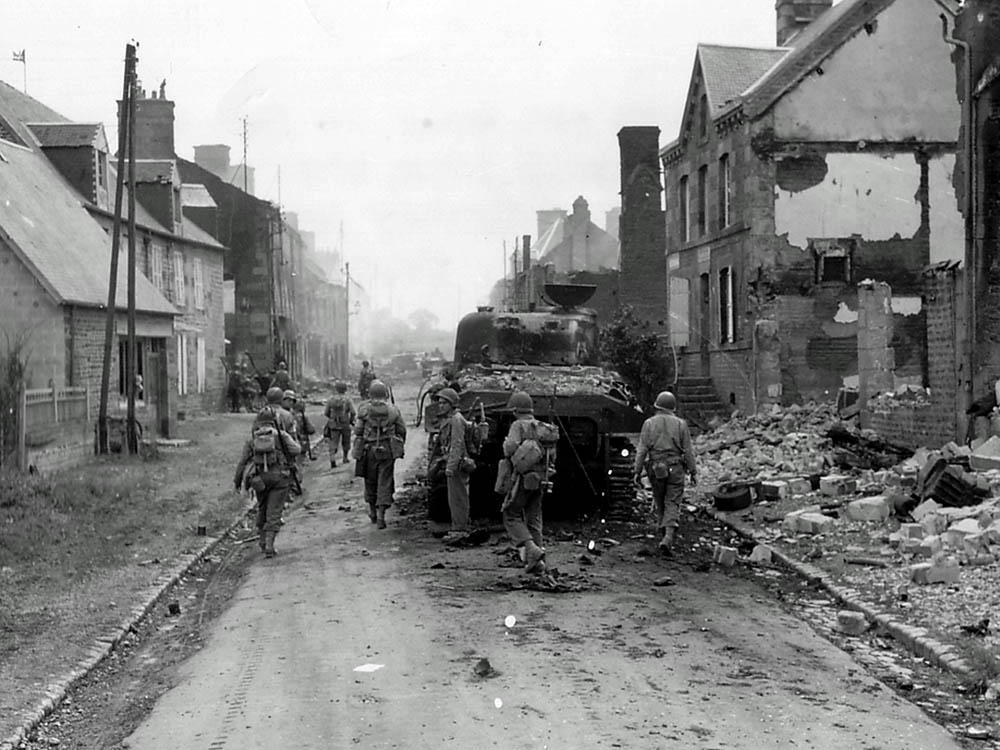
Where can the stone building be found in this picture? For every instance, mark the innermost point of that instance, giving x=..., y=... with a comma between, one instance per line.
x=800, y=171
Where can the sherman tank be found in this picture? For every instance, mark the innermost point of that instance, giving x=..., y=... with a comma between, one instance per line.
x=551, y=352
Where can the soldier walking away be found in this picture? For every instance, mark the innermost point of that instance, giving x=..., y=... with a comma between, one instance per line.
x=281, y=379
x=666, y=453
x=458, y=465
x=288, y=399
x=340, y=417
x=266, y=467
x=380, y=434
x=365, y=379
x=529, y=453
x=304, y=426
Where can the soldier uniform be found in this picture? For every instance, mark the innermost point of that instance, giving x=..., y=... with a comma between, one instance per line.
x=666, y=453
x=457, y=463
x=340, y=418
x=380, y=434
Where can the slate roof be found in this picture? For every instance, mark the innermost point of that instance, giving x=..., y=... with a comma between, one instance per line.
x=729, y=71
x=45, y=224
x=16, y=109
x=66, y=134
x=196, y=196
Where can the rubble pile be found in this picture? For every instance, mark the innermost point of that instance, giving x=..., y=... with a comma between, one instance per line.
x=779, y=441
x=576, y=380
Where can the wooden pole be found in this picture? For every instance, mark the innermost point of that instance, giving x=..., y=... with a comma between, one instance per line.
x=109, y=327
x=132, y=371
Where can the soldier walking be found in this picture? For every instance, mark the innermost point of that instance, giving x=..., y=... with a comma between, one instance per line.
x=530, y=450
x=340, y=417
x=458, y=465
x=666, y=453
x=266, y=466
x=365, y=379
x=380, y=435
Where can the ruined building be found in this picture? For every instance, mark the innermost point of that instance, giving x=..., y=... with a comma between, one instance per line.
x=799, y=172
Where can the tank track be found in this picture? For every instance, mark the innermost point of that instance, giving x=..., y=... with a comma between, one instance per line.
x=620, y=493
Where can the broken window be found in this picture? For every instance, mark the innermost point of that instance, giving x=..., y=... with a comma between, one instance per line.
x=833, y=258
x=725, y=190
x=726, y=322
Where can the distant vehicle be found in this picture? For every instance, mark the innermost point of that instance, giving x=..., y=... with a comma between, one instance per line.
x=552, y=353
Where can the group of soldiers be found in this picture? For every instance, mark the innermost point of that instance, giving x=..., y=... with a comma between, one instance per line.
x=374, y=435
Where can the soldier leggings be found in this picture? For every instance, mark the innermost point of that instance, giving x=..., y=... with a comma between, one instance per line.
x=379, y=482
x=339, y=439
x=667, y=495
x=523, y=517
x=458, y=500
x=272, y=500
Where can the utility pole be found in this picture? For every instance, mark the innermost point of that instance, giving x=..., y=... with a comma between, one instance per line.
x=245, y=190
x=132, y=370
x=109, y=326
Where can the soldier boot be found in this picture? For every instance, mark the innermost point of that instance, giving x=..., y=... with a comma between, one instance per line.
x=380, y=516
x=534, y=558
x=269, y=543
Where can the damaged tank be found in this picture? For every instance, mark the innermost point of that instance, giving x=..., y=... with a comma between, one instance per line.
x=551, y=353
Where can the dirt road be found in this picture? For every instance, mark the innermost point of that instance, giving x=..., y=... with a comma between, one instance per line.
x=355, y=636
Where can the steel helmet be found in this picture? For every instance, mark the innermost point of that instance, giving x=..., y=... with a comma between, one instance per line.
x=378, y=390
x=449, y=395
x=289, y=395
x=521, y=403
x=666, y=400
x=341, y=387
x=274, y=394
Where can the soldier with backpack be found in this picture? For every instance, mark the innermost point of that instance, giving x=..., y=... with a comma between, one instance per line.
x=529, y=449
x=380, y=435
x=340, y=417
x=266, y=466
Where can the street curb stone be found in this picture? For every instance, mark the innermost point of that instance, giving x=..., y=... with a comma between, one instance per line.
x=915, y=639
x=104, y=644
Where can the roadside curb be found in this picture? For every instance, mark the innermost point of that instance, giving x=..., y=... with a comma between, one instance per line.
x=914, y=638
x=56, y=691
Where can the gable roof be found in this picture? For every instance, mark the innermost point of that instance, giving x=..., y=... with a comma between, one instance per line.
x=729, y=71
x=44, y=222
x=67, y=134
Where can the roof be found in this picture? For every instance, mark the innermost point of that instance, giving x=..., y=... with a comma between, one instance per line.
x=67, y=134
x=729, y=71
x=44, y=222
x=155, y=170
x=196, y=234
x=196, y=196
x=17, y=108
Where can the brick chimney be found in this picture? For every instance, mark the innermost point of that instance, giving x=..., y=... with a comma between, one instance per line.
x=213, y=157
x=154, y=124
x=642, y=275
x=795, y=15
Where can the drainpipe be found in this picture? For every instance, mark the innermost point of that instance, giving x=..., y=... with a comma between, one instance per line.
x=971, y=254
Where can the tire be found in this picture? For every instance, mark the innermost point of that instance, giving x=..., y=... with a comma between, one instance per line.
x=730, y=497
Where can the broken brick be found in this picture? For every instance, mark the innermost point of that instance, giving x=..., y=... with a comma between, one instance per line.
x=724, y=556
x=911, y=530
x=946, y=571
x=836, y=485
x=868, y=509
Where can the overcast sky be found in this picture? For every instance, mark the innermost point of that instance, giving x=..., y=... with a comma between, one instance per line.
x=433, y=130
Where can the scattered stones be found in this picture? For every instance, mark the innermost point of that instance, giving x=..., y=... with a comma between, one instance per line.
x=664, y=581
x=868, y=509
x=761, y=555
x=851, y=622
x=946, y=571
x=724, y=556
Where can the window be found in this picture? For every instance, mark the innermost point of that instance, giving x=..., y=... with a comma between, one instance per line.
x=833, y=260
x=680, y=306
x=726, y=322
x=182, y=364
x=155, y=255
x=685, y=210
x=123, y=367
x=200, y=363
x=102, y=169
x=702, y=200
x=725, y=191
x=703, y=117
x=199, y=284
x=180, y=296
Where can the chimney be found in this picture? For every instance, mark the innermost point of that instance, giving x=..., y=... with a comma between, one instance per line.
x=795, y=15
x=214, y=158
x=154, y=124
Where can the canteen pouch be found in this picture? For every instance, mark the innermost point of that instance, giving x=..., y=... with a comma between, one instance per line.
x=531, y=481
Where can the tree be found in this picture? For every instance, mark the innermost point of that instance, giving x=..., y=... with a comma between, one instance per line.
x=639, y=355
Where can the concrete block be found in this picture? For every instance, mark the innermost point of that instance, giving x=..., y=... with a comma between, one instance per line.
x=911, y=530
x=946, y=571
x=868, y=509
x=925, y=508
x=988, y=513
x=929, y=546
x=953, y=539
x=983, y=558
x=761, y=555
x=932, y=523
x=836, y=485
x=966, y=526
x=975, y=544
x=851, y=622
x=775, y=489
x=814, y=523
x=724, y=556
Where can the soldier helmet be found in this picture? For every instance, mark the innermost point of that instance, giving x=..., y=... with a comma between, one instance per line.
x=449, y=395
x=341, y=387
x=290, y=395
x=521, y=403
x=665, y=400
x=378, y=390
x=365, y=363
x=274, y=394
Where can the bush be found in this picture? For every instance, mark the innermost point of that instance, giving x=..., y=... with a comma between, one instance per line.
x=639, y=355
x=13, y=363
